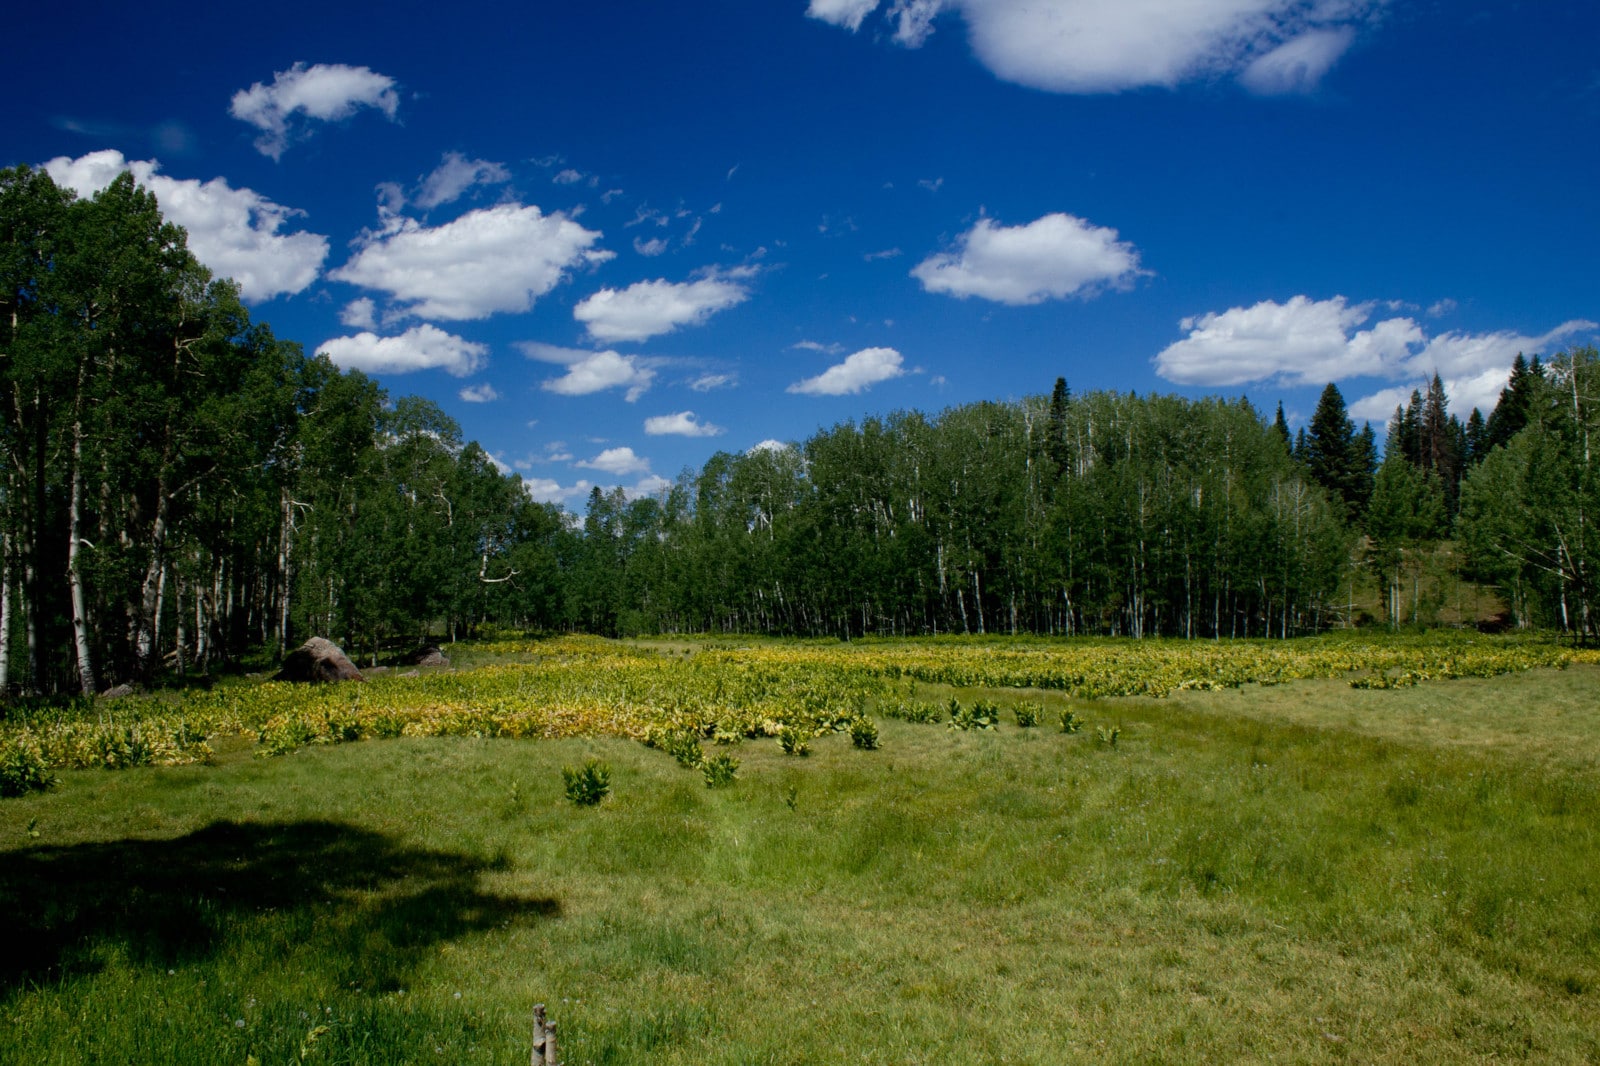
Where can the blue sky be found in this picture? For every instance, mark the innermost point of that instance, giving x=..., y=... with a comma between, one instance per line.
x=613, y=237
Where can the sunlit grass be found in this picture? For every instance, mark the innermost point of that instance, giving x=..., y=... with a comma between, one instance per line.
x=1302, y=872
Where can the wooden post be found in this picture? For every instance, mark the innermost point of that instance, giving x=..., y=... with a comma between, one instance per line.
x=544, y=1040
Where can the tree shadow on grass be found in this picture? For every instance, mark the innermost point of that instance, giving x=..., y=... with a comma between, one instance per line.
x=355, y=896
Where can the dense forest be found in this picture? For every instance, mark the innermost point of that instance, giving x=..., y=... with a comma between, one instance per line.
x=181, y=487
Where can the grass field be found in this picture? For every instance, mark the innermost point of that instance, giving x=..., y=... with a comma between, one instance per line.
x=1301, y=871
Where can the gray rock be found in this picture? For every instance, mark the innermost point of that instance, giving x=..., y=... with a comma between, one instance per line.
x=317, y=660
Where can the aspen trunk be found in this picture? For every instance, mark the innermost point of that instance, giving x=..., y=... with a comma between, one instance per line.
x=80, y=611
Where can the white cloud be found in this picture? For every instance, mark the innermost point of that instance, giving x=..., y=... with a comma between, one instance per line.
x=359, y=314
x=648, y=308
x=549, y=490
x=1096, y=46
x=653, y=247
x=619, y=462
x=652, y=485
x=858, y=372
x=1053, y=257
x=454, y=175
x=568, y=177
x=1302, y=342
x=479, y=394
x=232, y=231
x=493, y=259
x=591, y=372
x=846, y=13
x=423, y=347
x=707, y=382
x=681, y=424
x=1310, y=342
x=768, y=445
x=327, y=92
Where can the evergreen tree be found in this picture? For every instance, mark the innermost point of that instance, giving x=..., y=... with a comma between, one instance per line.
x=1515, y=405
x=1331, y=450
x=1280, y=426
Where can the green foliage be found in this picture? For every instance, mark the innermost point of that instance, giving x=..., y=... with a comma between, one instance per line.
x=1027, y=714
x=682, y=744
x=23, y=768
x=981, y=714
x=906, y=709
x=1108, y=736
x=864, y=733
x=588, y=784
x=719, y=770
x=794, y=740
x=1070, y=722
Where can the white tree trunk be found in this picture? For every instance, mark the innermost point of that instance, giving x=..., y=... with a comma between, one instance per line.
x=80, y=611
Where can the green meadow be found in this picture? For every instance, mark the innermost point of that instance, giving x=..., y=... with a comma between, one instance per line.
x=1297, y=872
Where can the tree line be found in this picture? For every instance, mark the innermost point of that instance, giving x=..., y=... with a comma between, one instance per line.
x=183, y=489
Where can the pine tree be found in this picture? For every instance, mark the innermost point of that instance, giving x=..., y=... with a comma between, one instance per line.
x=1331, y=447
x=1515, y=406
x=1280, y=426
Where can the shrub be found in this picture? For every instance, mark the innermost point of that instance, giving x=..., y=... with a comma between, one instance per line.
x=793, y=740
x=588, y=784
x=1028, y=714
x=682, y=744
x=921, y=712
x=981, y=715
x=1070, y=722
x=1108, y=736
x=23, y=767
x=864, y=733
x=720, y=770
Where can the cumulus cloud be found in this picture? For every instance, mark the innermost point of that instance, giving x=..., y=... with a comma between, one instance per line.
x=619, y=462
x=1053, y=257
x=1097, y=46
x=857, y=373
x=549, y=490
x=234, y=232
x=647, y=309
x=1301, y=342
x=423, y=347
x=479, y=393
x=1308, y=342
x=327, y=92
x=591, y=372
x=493, y=259
x=359, y=314
x=454, y=175
x=681, y=424
x=768, y=445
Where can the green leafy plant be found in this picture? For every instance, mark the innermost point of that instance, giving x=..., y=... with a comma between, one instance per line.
x=981, y=715
x=23, y=767
x=920, y=712
x=720, y=770
x=1028, y=714
x=1070, y=722
x=588, y=784
x=794, y=740
x=1109, y=736
x=864, y=733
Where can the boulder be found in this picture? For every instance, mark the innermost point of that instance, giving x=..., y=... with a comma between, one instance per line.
x=317, y=660
x=428, y=655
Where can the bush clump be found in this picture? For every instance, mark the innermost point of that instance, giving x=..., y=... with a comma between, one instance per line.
x=720, y=770
x=23, y=768
x=588, y=784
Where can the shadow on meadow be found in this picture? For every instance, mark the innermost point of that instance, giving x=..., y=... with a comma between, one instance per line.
x=357, y=900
